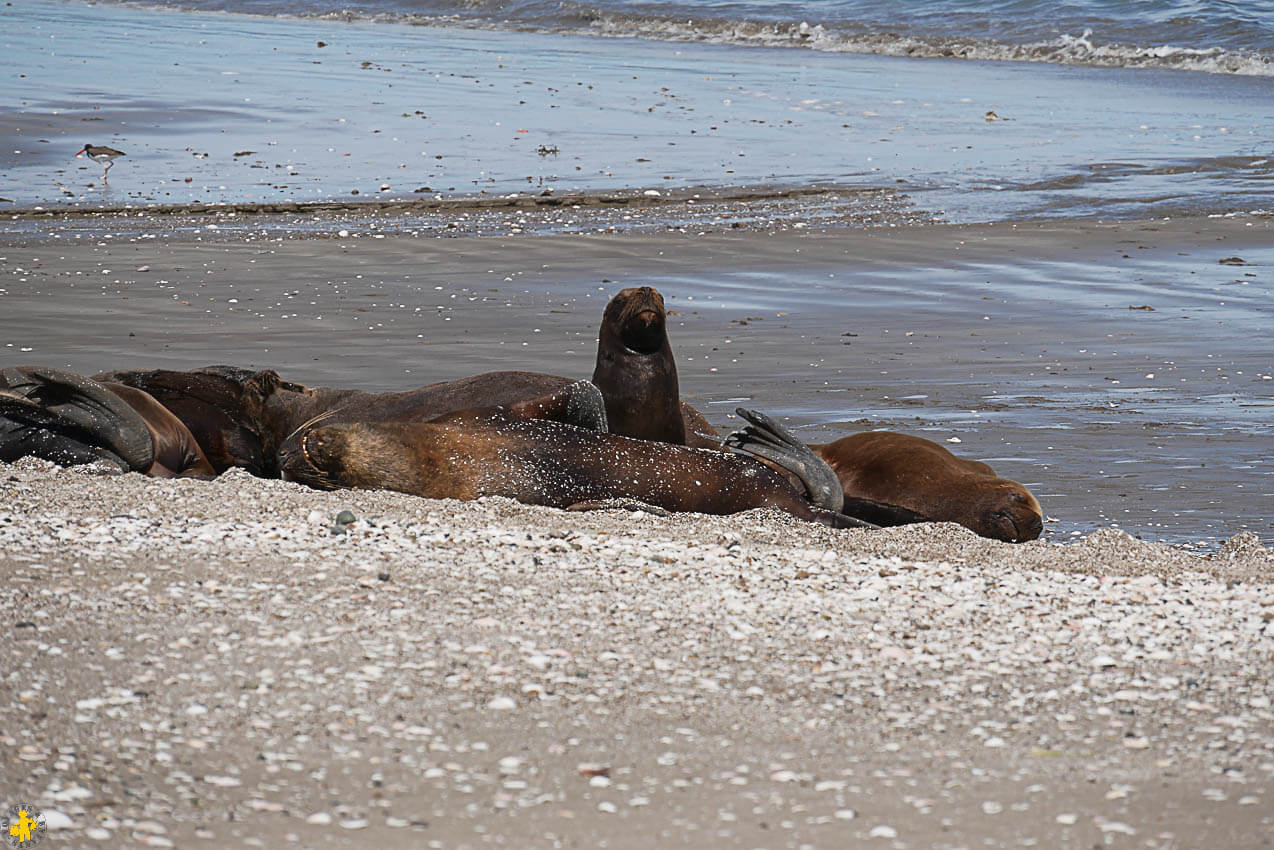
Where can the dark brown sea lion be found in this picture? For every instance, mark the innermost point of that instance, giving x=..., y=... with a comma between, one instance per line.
x=637, y=373
x=278, y=408
x=210, y=402
x=923, y=476
x=176, y=453
x=470, y=454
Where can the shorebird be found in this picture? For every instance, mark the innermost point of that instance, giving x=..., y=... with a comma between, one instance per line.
x=104, y=155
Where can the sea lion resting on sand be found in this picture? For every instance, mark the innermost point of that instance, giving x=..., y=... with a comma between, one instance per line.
x=635, y=371
x=475, y=453
x=69, y=419
x=241, y=417
x=924, y=477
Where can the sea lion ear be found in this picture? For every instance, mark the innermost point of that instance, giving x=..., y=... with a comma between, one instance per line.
x=262, y=384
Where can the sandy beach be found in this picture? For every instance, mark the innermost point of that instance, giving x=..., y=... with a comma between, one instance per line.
x=208, y=664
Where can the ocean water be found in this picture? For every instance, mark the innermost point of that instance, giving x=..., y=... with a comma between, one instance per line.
x=1198, y=35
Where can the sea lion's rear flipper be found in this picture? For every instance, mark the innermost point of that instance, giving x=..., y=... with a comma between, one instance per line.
x=767, y=439
x=579, y=404
x=28, y=430
x=81, y=409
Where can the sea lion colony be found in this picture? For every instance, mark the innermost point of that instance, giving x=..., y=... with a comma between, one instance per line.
x=538, y=438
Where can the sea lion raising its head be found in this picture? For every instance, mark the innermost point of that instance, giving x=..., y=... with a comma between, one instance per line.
x=637, y=373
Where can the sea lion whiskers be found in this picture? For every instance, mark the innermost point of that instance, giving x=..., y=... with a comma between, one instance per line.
x=312, y=421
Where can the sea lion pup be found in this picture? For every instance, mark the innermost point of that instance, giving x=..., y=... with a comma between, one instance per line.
x=474, y=453
x=637, y=373
x=70, y=419
x=923, y=476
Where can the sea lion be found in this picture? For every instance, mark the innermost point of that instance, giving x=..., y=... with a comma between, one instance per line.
x=176, y=453
x=70, y=420
x=475, y=453
x=210, y=402
x=637, y=374
x=923, y=476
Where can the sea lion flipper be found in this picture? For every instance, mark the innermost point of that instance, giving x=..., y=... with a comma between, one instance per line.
x=28, y=430
x=881, y=514
x=580, y=404
x=767, y=439
x=102, y=418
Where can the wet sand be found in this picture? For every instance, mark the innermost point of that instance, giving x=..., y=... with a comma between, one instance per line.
x=1110, y=367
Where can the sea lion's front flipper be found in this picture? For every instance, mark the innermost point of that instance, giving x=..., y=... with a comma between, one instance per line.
x=83, y=410
x=881, y=513
x=579, y=404
x=765, y=438
x=619, y=505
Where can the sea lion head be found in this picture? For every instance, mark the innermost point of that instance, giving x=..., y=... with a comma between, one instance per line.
x=1008, y=512
x=636, y=316
x=314, y=457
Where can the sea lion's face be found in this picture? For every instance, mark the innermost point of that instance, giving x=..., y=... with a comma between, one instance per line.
x=638, y=314
x=311, y=456
x=1012, y=515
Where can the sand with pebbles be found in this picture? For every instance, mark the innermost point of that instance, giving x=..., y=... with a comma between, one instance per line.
x=217, y=664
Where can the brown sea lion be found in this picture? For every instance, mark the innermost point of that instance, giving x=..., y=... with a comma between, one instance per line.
x=470, y=454
x=923, y=476
x=278, y=408
x=176, y=453
x=240, y=417
x=637, y=373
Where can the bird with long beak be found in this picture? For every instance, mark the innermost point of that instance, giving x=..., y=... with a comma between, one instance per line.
x=104, y=155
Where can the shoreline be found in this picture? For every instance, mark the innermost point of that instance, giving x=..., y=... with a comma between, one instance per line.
x=751, y=208
x=516, y=111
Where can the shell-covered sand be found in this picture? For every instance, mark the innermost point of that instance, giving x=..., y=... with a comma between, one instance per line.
x=218, y=664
